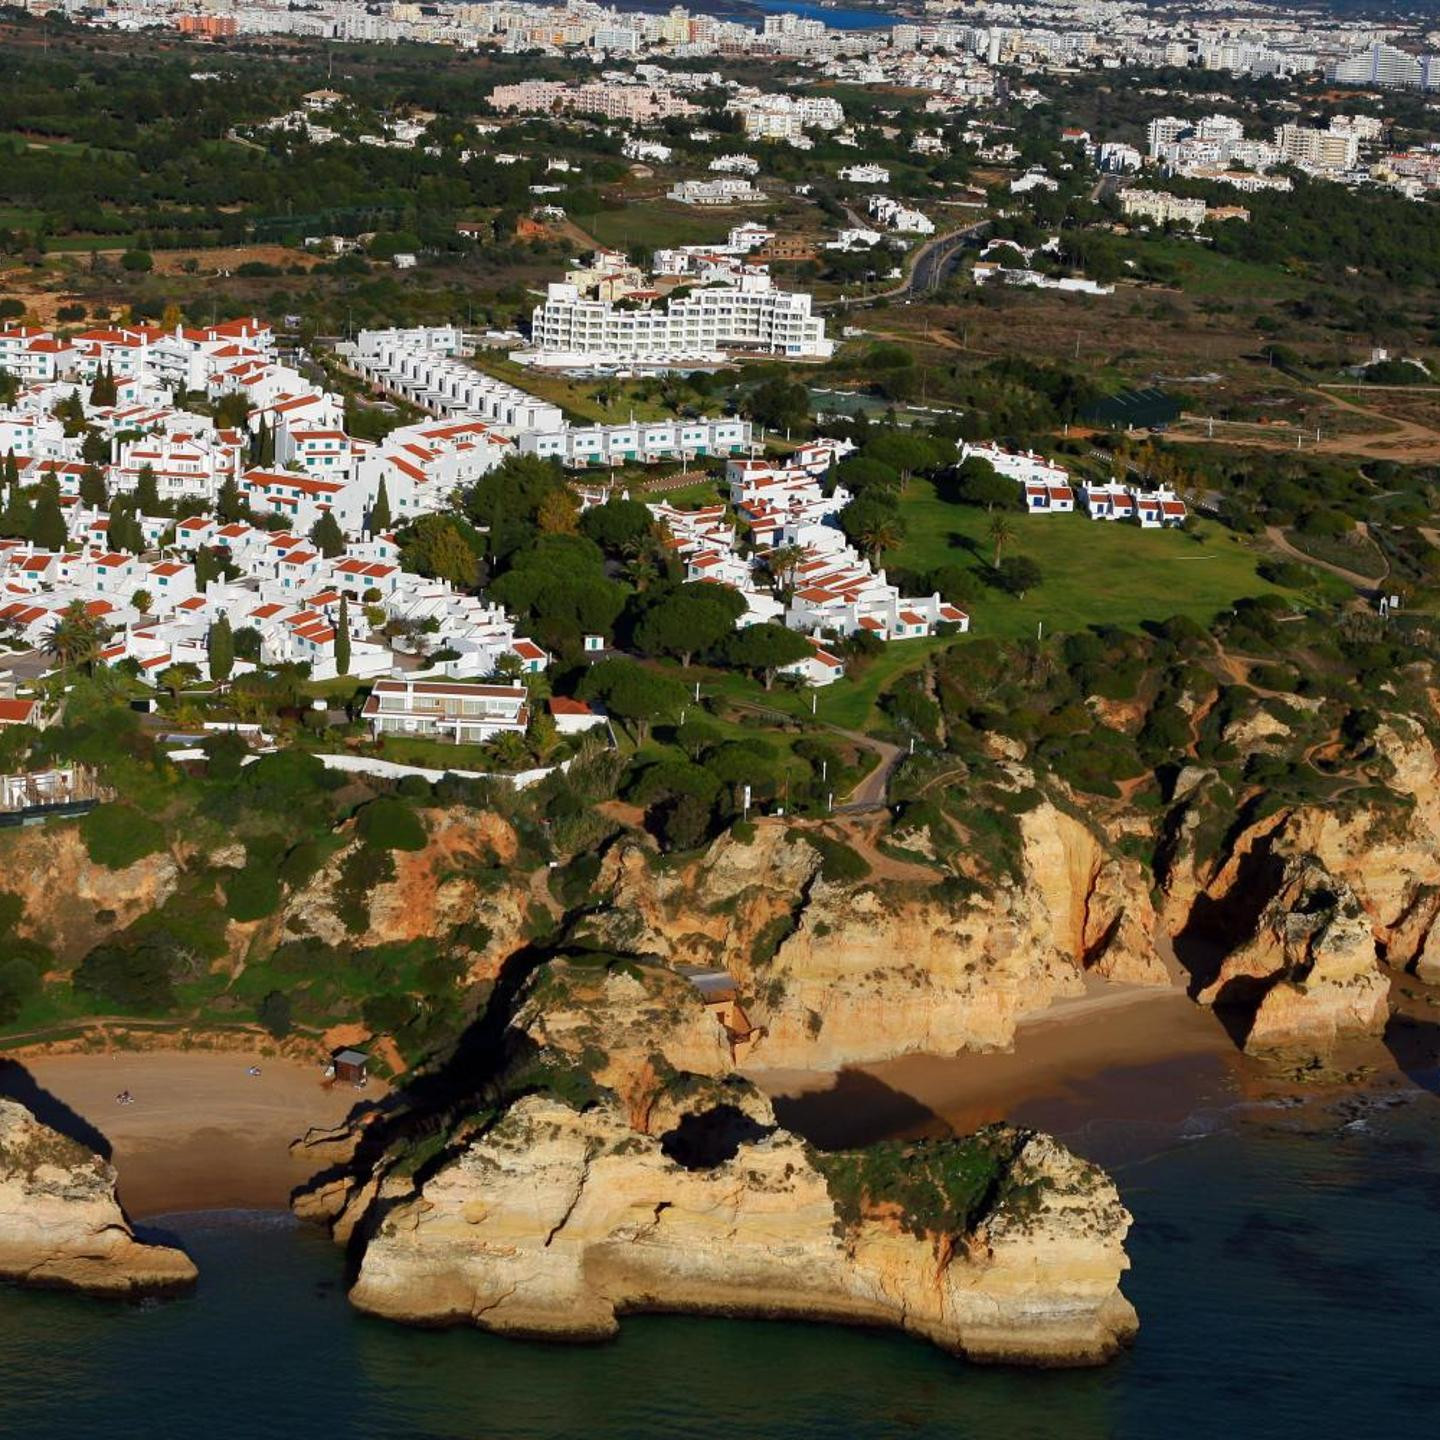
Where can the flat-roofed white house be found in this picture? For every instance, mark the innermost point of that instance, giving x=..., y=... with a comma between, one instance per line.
x=447, y=710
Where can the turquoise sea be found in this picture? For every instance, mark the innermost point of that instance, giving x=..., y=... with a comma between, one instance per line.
x=1286, y=1270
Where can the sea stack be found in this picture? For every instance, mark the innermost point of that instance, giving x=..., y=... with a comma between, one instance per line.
x=555, y=1221
x=60, y=1223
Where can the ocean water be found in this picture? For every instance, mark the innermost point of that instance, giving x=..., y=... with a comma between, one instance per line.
x=1286, y=1270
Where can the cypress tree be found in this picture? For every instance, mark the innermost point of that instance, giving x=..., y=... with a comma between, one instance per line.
x=328, y=536
x=18, y=515
x=124, y=529
x=228, y=505
x=342, y=639
x=47, y=529
x=92, y=488
x=147, y=493
x=12, y=470
x=380, y=511
x=220, y=648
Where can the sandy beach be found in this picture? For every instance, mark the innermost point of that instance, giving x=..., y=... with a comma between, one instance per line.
x=201, y=1134
x=1134, y=1054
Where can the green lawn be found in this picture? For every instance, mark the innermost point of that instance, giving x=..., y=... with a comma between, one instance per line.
x=1093, y=573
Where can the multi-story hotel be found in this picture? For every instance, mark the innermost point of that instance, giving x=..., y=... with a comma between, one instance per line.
x=748, y=315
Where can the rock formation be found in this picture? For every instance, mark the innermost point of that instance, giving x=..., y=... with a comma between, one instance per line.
x=845, y=973
x=60, y=1223
x=1310, y=970
x=552, y=1222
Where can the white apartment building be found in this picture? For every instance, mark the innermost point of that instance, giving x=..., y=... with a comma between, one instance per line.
x=577, y=447
x=750, y=315
x=715, y=192
x=419, y=366
x=864, y=174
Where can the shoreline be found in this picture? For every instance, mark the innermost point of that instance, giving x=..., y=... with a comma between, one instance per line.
x=1063, y=1060
x=201, y=1134
x=1108, y=1070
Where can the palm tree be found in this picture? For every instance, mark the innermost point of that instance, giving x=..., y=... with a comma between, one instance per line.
x=1001, y=534
x=76, y=636
x=642, y=571
x=882, y=533
x=783, y=560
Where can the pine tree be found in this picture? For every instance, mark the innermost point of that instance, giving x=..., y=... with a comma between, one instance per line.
x=47, y=529
x=327, y=535
x=147, y=493
x=342, y=639
x=380, y=520
x=220, y=648
x=92, y=488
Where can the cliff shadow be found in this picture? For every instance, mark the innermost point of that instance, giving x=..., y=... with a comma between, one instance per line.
x=857, y=1110
x=18, y=1084
x=1414, y=1044
x=1216, y=926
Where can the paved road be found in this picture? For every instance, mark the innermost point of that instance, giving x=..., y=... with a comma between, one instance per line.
x=929, y=265
x=26, y=664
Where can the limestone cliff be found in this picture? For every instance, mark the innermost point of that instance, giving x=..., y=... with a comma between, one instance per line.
x=553, y=1222
x=60, y=1223
x=70, y=901
x=1310, y=969
x=836, y=973
x=460, y=877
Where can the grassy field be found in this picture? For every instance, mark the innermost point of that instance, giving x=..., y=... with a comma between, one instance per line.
x=1203, y=273
x=1094, y=574
x=659, y=223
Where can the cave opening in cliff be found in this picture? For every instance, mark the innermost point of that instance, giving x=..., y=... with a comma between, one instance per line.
x=708, y=1138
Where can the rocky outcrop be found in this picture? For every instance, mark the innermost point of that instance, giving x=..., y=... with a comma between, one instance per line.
x=553, y=1222
x=843, y=973
x=71, y=903
x=457, y=879
x=1310, y=971
x=60, y=1223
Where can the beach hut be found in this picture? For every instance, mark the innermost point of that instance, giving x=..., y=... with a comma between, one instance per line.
x=350, y=1066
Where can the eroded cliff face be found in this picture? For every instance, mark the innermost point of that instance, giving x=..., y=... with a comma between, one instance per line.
x=1310, y=970
x=60, y=1223
x=1305, y=910
x=71, y=903
x=554, y=1223
x=457, y=879
x=843, y=973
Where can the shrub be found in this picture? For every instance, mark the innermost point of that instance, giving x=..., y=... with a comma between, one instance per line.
x=390, y=824
x=301, y=863
x=839, y=863
x=364, y=869
x=274, y=1013
x=117, y=836
x=940, y=1187
x=252, y=893
x=129, y=979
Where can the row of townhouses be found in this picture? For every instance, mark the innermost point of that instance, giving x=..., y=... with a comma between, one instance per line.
x=1047, y=490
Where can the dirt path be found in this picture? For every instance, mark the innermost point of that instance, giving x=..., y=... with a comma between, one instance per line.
x=1363, y=583
x=1405, y=441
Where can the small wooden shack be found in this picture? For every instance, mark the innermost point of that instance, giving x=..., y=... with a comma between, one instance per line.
x=350, y=1066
